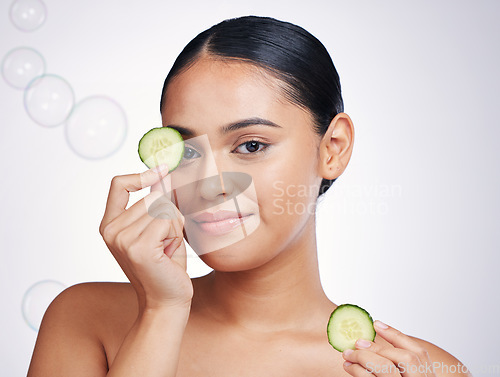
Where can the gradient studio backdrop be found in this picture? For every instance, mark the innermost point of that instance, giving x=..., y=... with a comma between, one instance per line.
x=406, y=232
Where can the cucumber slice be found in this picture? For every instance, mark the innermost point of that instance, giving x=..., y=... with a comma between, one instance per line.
x=161, y=145
x=347, y=324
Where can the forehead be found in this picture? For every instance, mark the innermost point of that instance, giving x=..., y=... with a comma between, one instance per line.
x=215, y=91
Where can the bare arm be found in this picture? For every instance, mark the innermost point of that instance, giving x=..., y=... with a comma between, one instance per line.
x=152, y=346
x=147, y=242
x=64, y=346
x=70, y=342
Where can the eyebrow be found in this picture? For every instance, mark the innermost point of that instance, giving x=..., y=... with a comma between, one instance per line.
x=184, y=131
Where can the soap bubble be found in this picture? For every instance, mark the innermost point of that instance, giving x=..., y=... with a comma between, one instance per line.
x=22, y=65
x=48, y=99
x=28, y=15
x=96, y=128
x=37, y=299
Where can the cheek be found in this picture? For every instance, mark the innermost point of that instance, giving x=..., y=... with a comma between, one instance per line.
x=287, y=188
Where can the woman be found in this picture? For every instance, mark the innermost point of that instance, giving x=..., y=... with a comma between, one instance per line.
x=264, y=97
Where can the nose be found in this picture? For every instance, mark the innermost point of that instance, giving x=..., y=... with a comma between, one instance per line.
x=212, y=188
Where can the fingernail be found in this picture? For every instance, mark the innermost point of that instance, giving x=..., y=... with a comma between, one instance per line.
x=347, y=352
x=363, y=343
x=160, y=168
x=347, y=363
x=380, y=325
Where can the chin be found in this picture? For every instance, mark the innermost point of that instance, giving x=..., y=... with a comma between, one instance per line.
x=240, y=256
x=231, y=261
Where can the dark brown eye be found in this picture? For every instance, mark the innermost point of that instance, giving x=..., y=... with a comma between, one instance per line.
x=251, y=146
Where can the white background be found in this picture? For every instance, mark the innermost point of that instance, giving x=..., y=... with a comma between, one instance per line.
x=407, y=232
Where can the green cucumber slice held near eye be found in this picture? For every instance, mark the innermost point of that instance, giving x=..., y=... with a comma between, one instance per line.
x=347, y=324
x=161, y=145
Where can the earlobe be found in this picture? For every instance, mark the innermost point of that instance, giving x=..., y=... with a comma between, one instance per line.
x=336, y=147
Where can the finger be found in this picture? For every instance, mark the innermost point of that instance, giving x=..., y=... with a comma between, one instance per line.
x=164, y=208
x=177, y=250
x=356, y=370
x=139, y=245
x=372, y=362
x=121, y=186
x=164, y=185
x=132, y=231
x=401, y=340
x=135, y=211
x=163, y=229
x=155, y=204
x=158, y=231
x=169, y=246
x=407, y=362
x=180, y=256
x=172, y=242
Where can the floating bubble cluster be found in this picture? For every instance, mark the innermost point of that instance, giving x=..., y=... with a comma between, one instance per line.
x=48, y=100
x=28, y=15
x=37, y=299
x=22, y=65
x=96, y=128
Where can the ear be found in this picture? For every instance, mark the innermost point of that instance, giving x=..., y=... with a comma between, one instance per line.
x=335, y=148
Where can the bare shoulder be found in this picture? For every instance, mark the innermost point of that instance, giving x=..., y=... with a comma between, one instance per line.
x=445, y=364
x=98, y=295
x=92, y=305
x=97, y=290
x=75, y=328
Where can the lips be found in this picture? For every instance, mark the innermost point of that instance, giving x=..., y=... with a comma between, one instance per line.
x=220, y=222
x=208, y=217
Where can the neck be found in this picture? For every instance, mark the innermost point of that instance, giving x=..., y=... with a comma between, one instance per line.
x=284, y=293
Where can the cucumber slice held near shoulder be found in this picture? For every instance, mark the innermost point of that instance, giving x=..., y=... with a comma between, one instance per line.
x=161, y=145
x=347, y=324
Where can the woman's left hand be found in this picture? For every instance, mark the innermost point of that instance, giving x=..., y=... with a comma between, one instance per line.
x=407, y=358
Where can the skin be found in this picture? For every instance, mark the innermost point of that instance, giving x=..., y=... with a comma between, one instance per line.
x=262, y=311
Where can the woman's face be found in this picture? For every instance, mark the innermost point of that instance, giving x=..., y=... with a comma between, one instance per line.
x=269, y=171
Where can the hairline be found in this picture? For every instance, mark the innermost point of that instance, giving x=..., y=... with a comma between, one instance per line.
x=265, y=72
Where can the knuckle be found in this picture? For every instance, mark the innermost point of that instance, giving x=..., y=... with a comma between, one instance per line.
x=134, y=252
x=108, y=232
x=398, y=333
x=422, y=353
x=121, y=240
x=399, y=336
x=101, y=229
x=387, y=365
x=116, y=181
x=410, y=358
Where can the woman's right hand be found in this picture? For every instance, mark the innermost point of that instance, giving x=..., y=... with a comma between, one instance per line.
x=147, y=241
